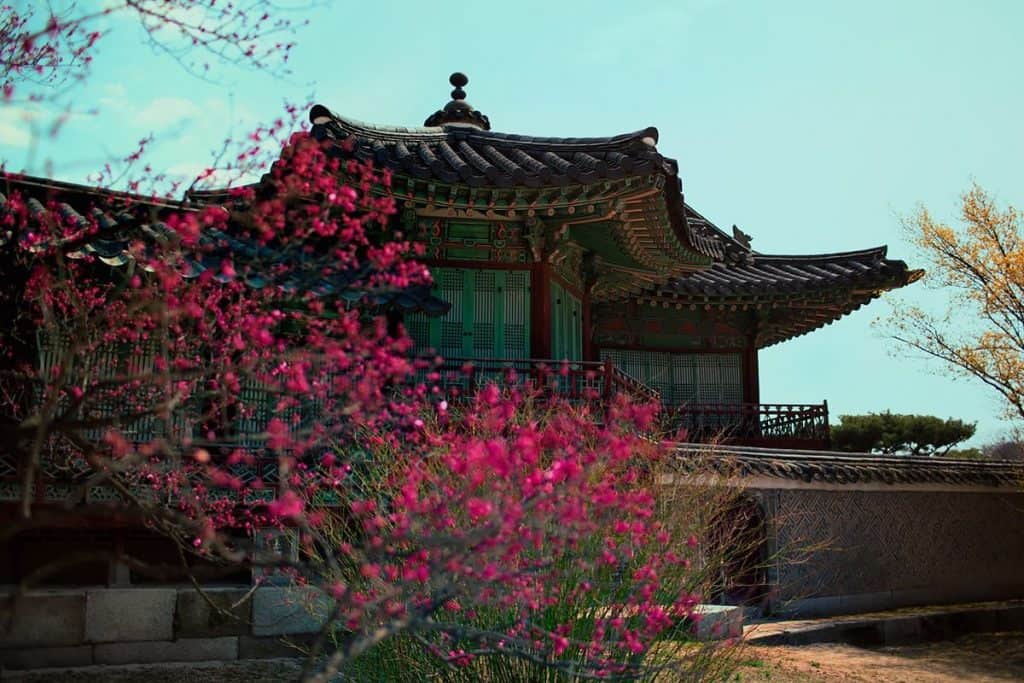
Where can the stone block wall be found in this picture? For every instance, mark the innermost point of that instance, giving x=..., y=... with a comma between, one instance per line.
x=78, y=627
x=845, y=551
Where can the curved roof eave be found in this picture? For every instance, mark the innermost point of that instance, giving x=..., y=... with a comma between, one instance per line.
x=460, y=154
x=320, y=115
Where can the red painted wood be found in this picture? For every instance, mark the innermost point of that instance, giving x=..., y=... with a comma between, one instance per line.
x=751, y=380
x=672, y=349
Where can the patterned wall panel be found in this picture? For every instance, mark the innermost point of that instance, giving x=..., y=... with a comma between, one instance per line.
x=489, y=315
x=449, y=286
x=566, y=324
x=484, y=313
x=684, y=378
x=948, y=543
x=517, y=314
x=627, y=325
x=473, y=240
x=109, y=361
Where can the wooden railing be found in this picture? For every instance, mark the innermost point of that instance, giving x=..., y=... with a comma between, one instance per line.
x=752, y=424
x=572, y=380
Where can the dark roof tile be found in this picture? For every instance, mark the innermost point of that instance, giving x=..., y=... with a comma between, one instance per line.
x=850, y=468
x=503, y=159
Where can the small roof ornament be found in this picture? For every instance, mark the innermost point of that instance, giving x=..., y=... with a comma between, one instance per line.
x=741, y=237
x=458, y=111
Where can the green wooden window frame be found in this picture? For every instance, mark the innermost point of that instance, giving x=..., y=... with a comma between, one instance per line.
x=566, y=324
x=489, y=315
x=684, y=378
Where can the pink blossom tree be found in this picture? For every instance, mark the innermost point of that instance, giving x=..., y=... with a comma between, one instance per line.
x=45, y=48
x=225, y=345
x=233, y=368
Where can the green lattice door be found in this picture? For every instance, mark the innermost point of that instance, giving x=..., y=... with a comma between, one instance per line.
x=566, y=324
x=489, y=316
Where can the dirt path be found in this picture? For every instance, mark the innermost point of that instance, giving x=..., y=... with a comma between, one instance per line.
x=986, y=658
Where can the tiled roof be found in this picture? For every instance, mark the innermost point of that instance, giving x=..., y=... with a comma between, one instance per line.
x=849, y=468
x=768, y=274
x=111, y=221
x=469, y=155
x=463, y=154
x=686, y=261
x=625, y=172
x=792, y=294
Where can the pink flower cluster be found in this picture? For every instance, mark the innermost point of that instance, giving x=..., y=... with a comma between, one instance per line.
x=251, y=404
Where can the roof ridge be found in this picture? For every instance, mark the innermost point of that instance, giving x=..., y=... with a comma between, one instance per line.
x=769, y=452
x=877, y=252
x=321, y=115
x=47, y=184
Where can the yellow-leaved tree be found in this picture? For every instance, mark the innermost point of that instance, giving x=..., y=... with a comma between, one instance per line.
x=980, y=262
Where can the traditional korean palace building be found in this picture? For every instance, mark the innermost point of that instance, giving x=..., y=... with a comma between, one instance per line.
x=584, y=249
x=546, y=251
x=578, y=263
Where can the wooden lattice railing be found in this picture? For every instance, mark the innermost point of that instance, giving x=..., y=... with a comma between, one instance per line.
x=803, y=425
x=748, y=424
x=573, y=380
x=753, y=423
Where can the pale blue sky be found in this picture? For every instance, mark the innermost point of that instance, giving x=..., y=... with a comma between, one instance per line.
x=811, y=125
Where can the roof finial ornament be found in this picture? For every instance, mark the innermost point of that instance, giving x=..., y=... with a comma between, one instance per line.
x=458, y=111
x=458, y=79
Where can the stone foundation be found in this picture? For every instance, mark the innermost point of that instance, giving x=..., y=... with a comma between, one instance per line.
x=78, y=627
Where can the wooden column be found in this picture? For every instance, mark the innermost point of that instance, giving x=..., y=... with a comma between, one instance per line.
x=540, y=310
x=751, y=382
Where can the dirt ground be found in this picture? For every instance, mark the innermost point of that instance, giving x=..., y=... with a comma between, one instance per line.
x=986, y=658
